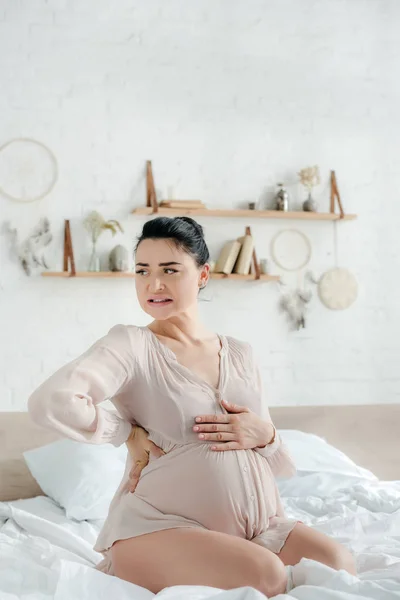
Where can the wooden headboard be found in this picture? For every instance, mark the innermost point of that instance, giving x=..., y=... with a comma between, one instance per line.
x=367, y=434
x=18, y=434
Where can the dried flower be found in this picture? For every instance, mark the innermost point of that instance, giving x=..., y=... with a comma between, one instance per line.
x=95, y=225
x=309, y=177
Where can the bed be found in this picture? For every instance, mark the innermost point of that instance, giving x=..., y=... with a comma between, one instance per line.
x=348, y=486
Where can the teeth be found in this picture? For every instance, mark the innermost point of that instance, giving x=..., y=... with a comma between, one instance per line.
x=165, y=300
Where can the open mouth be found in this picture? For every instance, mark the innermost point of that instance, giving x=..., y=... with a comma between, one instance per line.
x=159, y=301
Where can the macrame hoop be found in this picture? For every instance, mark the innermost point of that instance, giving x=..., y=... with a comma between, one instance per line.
x=301, y=263
x=54, y=167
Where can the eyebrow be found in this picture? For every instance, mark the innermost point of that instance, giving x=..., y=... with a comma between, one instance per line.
x=165, y=264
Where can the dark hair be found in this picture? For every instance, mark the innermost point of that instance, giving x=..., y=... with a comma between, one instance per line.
x=183, y=231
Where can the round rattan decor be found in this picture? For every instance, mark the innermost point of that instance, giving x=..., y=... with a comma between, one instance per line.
x=28, y=170
x=337, y=289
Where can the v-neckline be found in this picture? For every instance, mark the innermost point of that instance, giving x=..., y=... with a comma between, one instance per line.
x=170, y=355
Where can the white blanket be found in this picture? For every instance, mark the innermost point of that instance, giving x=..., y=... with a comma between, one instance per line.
x=44, y=555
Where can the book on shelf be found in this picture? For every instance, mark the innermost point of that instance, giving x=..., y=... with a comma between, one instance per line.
x=243, y=262
x=227, y=257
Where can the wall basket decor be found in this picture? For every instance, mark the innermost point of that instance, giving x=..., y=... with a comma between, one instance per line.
x=28, y=170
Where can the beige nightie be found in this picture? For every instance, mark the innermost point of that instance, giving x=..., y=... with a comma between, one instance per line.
x=191, y=485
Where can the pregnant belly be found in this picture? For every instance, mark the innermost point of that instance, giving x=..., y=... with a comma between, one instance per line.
x=212, y=488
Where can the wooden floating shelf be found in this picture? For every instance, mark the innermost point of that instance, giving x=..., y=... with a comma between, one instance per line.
x=244, y=277
x=131, y=275
x=115, y=274
x=253, y=214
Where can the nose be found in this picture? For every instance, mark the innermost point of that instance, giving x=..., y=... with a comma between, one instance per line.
x=155, y=285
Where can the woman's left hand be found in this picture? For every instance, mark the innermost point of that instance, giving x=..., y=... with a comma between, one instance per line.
x=239, y=430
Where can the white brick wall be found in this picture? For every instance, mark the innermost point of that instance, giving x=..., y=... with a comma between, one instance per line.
x=226, y=98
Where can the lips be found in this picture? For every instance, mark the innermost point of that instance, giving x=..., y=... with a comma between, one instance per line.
x=159, y=301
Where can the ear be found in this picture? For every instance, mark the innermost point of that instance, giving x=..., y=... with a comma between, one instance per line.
x=204, y=276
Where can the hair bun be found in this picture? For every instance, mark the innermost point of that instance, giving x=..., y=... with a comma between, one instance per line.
x=194, y=224
x=185, y=232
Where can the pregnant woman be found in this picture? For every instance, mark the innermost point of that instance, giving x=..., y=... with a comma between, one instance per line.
x=205, y=509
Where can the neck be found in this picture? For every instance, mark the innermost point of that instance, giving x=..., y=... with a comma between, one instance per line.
x=182, y=328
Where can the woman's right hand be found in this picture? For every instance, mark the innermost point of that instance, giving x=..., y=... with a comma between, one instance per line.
x=140, y=448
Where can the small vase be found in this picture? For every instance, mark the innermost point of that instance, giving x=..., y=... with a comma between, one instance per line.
x=118, y=259
x=264, y=266
x=282, y=199
x=310, y=204
x=94, y=262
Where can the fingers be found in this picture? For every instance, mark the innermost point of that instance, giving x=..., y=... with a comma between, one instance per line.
x=155, y=450
x=142, y=462
x=213, y=419
x=136, y=470
x=232, y=408
x=226, y=446
x=217, y=437
x=132, y=485
x=208, y=428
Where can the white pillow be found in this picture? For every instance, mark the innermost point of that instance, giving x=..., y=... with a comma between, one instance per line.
x=312, y=454
x=82, y=478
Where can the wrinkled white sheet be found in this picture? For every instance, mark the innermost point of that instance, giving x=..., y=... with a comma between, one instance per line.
x=44, y=555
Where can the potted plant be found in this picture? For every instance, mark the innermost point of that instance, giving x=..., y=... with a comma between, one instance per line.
x=95, y=224
x=309, y=177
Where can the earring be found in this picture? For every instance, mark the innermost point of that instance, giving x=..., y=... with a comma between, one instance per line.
x=203, y=285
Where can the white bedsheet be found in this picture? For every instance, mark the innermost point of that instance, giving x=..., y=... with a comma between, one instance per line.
x=44, y=555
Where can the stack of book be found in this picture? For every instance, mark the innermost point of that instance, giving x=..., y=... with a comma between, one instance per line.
x=236, y=256
x=182, y=204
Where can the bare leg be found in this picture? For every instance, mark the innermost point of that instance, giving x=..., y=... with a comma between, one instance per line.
x=304, y=542
x=190, y=556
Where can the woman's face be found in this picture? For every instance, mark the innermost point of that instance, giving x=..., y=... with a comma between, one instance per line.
x=167, y=278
